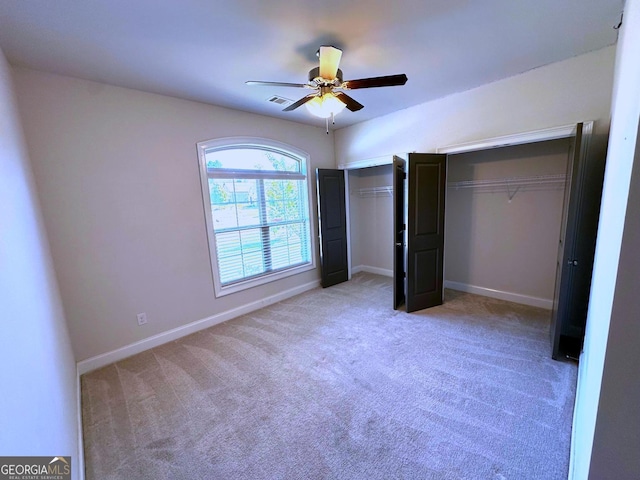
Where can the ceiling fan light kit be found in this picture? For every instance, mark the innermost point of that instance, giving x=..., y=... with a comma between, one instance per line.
x=325, y=105
x=326, y=80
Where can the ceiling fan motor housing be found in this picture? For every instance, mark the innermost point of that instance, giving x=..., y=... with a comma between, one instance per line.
x=314, y=76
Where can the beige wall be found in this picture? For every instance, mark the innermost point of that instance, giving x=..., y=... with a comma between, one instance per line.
x=38, y=403
x=571, y=91
x=500, y=244
x=117, y=172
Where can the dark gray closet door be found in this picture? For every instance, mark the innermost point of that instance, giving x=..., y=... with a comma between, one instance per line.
x=399, y=231
x=425, y=230
x=332, y=221
x=576, y=248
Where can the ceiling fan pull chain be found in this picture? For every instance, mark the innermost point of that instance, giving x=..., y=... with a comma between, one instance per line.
x=327, y=119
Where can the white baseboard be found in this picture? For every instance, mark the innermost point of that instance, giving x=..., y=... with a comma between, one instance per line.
x=500, y=294
x=104, y=359
x=375, y=270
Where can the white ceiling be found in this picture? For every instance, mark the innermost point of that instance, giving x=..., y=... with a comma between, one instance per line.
x=206, y=50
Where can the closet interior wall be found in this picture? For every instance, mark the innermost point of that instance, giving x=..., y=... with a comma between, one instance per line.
x=371, y=217
x=504, y=238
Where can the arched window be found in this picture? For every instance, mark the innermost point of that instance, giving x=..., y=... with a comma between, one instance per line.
x=256, y=199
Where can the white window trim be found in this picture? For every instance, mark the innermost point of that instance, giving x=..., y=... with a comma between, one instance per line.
x=251, y=142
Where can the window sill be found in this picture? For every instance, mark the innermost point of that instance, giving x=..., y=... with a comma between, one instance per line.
x=221, y=291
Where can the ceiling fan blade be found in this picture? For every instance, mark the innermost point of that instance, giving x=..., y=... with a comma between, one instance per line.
x=329, y=61
x=300, y=102
x=351, y=104
x=278, y=84
x=388, y=81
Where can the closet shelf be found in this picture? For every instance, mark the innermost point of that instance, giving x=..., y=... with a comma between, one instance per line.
x=513, y=184
x=385, y=191
x=513, y=181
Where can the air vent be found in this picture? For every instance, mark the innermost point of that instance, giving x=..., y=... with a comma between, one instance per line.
x=279, y=100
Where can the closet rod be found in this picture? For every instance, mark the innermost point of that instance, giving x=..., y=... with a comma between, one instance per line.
x=376, y=191
x=511, y=182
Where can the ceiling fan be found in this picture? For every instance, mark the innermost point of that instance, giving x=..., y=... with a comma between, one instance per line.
x=327, y=84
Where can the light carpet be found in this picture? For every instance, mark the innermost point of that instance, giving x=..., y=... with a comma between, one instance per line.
x=334, y=384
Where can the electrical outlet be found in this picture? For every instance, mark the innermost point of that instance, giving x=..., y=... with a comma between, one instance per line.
x=142, y=318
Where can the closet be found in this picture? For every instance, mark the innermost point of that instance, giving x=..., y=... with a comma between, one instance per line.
x=520, y=222
x=503, y=218
x=522, y=254
x=384, y=241
x=370, y=218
